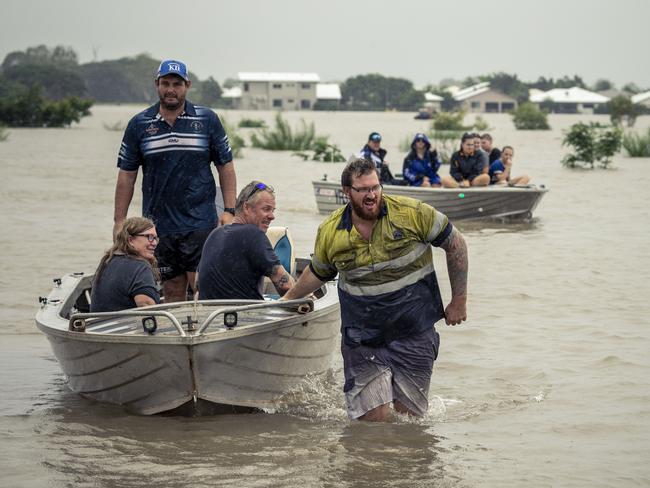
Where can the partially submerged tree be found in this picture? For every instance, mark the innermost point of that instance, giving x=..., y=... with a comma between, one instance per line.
x=528, y=116
x=622, y=107
x=592, y=144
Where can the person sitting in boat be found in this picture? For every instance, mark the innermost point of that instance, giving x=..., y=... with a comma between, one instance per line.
x=422, y=163
x=467, y=167
x=237, y=257
x=373, y=151
x=127, y=273
x=500, y=170
x=492, y=152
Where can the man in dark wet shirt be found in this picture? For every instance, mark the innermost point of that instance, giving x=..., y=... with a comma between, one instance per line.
x=237, y=257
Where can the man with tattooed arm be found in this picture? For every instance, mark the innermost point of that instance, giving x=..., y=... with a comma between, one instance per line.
x=380, y=247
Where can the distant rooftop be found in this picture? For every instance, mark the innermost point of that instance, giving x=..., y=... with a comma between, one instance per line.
x=471, y=91
x=641, y=97
x=569, y=95
x=432, y=97
x=297, y=77
x=328, y=91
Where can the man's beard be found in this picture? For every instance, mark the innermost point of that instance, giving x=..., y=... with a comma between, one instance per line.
x=170, y=106
x=365, y=214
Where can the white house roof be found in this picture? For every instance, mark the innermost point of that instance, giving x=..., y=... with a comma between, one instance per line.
x=328, y=91
x=234, y=92
x=297, y=77
x=432, y=97
x=471, y=91
x=641, y=97
x=569, y=95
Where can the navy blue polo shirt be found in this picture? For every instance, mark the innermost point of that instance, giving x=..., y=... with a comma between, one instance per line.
x=178, y=189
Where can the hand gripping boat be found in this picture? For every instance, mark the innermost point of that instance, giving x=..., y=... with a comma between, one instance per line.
x=216, y=353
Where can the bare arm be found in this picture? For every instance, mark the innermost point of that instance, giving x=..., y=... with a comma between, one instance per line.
x=457, y=266
x=281, y=279
x=123, y=196
x=306, y=284
x=228, y=184
x=143, y=300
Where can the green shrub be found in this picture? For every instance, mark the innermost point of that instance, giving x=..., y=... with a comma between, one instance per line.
x=637, y=145
x=481, y=125
x=529, y=117
x=283, y=138
x=4, y=135
x=592, y=143
x=621, y=107
x=115, y=127
x=28, y=108
x=323, y=151
x=236, y=141
x=449, y=121
x=246, y=123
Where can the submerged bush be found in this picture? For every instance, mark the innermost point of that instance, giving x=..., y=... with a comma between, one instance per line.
x=528, y=116
x=4, y=135
x=246, y=123
x=236, y=141
x=115, y=127
x=283, y=138
x=637, y=145
x=593, y=143
x=323, y=151
x=28, y=108
x=446, y=121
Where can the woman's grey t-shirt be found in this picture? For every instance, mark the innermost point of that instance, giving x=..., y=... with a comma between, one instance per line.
x=123, y=278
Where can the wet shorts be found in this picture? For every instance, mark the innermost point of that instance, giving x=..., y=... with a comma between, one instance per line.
x=180, y=253
x=400, y=370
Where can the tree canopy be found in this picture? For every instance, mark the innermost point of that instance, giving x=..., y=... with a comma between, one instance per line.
x=377, y=92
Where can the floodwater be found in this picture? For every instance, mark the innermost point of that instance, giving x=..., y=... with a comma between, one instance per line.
x=546, y=384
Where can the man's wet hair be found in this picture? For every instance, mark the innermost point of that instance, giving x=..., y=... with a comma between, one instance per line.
x=355, y=168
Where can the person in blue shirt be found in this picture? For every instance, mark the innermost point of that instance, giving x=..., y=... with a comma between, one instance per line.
x=500, y=170
x=174, y=141
x=421, y=164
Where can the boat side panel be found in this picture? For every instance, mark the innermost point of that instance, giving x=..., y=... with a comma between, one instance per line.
x=144, y=378
x=256, y=370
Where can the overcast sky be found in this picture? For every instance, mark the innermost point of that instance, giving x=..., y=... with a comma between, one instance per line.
x=424, y=41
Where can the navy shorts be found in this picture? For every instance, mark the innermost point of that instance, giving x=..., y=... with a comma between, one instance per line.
x=400, y=370
x=180, y=253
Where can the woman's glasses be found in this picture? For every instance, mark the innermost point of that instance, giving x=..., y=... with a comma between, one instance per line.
x=150, y=237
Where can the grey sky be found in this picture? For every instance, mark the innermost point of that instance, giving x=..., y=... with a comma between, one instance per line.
x=423, y=41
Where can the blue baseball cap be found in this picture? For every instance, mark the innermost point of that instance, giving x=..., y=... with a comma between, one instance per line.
x=374, y=136
x=172, y=67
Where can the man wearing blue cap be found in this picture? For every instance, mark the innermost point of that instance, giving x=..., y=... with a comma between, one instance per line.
x=174, y=141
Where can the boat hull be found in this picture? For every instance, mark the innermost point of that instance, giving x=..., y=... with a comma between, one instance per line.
x=253, y=364
x=492, y=202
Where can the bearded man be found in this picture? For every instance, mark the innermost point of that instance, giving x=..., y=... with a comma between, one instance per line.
x=380, y=248
x=174, y=141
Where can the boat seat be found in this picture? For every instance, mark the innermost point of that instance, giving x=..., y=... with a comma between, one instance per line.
x=282, y=244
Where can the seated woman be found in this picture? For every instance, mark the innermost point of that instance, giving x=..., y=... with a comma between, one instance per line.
x=467, y=167
x=421, y=164
x=500, y=170
x=127, y=273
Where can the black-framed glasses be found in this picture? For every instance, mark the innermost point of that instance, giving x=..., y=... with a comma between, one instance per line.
x=259, y=187
x=150, y=237
x=368, y=189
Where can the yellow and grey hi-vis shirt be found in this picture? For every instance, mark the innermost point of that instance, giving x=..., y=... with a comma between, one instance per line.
x=387, y=286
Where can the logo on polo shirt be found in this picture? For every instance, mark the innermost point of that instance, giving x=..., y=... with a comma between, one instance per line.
x=152, y=130
x=196, y=126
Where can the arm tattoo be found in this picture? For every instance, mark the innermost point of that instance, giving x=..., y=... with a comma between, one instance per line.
x=457, y=262
x=283, y=282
